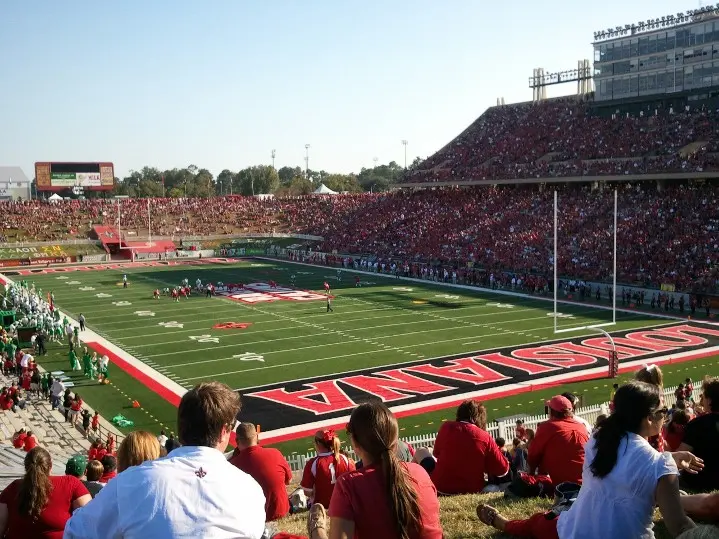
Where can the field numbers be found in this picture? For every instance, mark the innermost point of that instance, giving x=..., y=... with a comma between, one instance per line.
x=103, y=295
x=121, y=303
x=73, y=282
x=249, y=356
x=446, y=296
x=205, y=338
x=561, y=315
x=62, y=278
x=86, y=288
x=144, y=313
x=501, y=305
x=403, y=289
x=172, y=324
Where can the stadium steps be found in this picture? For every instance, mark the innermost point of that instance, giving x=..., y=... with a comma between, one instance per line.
x=12, y=464
x=49, y=426
x=692, y=148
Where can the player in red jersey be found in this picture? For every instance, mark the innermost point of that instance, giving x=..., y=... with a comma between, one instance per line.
x=358, y=282
x=183, y=291
x=321, y=472
x=327, y=287
x=273, y=284
x=175, y=294
x=156, y=293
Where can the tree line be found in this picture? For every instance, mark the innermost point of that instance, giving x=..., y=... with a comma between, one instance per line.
x=192, y=181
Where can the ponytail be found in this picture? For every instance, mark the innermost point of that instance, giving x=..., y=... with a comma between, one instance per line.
x=35, y=486
x=608, y=438
x=336, y=449
x=402, y=496
x=633, y=403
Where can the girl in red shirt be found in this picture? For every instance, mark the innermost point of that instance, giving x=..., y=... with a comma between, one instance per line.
x=30, y=442
x=38, y=505
x=386, y=499
x=322, y=471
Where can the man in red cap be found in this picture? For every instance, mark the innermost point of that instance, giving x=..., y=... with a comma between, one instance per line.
x=558, y=446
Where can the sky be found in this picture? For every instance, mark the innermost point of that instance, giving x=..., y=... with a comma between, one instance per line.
x=220, y=84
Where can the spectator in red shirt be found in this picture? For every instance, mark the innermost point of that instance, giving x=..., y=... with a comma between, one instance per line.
x=267, y=466
x=18, y=439
x=674, y=430
x=386, y=499
x=109, y=464
x=38, y=505
x=97, y=451
x=651, y=374
x=30, y=442
x=558, y=446
x=463, y=453
x=321, y=472
x=520, y=431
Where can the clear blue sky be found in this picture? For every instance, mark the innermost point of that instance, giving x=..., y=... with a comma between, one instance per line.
x=221, y=83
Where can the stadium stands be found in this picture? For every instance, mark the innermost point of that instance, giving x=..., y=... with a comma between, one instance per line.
x=666, y=236
x=561, y=138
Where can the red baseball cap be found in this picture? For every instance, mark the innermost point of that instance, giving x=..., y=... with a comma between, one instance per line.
x=560, y=404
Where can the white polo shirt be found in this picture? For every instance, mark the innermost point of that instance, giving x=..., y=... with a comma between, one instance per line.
x=192, y=493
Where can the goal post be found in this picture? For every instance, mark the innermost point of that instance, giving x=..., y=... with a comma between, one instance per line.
x=612, y=355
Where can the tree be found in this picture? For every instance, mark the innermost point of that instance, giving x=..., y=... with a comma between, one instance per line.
x=224, y=182
x=300, y=186
x=258, y=180
x=287, y=174
x=342, y=183
x=416, y=162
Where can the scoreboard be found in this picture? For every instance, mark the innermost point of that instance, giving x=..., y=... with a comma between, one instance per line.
x=61, y=176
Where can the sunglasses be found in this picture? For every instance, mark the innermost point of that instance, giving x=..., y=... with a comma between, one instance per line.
x=661, y=412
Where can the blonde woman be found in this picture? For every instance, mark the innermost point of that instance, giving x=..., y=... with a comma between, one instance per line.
x=138, y=447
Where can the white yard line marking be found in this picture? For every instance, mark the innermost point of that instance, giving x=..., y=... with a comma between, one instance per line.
x=393, y=348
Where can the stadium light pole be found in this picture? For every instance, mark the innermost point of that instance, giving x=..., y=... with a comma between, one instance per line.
x=375, y=159
x=273, y=158
x=404, y=143
x=556, y=256
x=307, y=161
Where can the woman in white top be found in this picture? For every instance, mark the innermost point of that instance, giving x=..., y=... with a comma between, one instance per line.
x=623, y=479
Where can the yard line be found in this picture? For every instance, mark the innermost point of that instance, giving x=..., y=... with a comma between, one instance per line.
x=316, y=360
x=364, y=328
x=394, y=348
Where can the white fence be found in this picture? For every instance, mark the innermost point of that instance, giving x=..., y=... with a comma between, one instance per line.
x=503, y=429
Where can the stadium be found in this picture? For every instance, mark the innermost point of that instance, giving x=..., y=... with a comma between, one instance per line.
x=557, y=252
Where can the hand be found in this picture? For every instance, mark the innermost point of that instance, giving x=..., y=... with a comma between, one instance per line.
x=688, y=462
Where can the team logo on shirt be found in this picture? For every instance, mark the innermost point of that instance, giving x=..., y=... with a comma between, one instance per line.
x=294, y=406
x=200, y=473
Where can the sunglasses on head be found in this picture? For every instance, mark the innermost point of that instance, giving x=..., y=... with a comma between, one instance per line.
x=661, y=412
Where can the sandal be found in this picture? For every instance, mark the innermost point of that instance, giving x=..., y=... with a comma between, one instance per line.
x=317, y=519
x=487, y=515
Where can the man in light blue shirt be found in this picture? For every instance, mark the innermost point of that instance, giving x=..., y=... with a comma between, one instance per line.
x=194, y=492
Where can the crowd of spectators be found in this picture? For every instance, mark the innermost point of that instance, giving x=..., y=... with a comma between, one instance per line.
x=666, y=236
x=561, y=138
x=605, y=479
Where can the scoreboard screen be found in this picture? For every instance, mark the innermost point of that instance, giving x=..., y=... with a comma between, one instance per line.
x=60, y=176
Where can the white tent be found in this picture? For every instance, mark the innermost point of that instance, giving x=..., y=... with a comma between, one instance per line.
x=324, y=190
x=55, y=198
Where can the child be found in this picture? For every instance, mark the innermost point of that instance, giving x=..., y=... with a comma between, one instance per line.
x=96, y=422
x=86, y=422
x=519, y=431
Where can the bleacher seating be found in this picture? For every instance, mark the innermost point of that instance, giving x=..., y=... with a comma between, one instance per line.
x=562, y=138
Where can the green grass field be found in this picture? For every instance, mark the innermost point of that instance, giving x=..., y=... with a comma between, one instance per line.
x=384, y=322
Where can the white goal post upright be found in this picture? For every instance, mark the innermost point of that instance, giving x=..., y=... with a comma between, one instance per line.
x=612, y=357
x=556, y=276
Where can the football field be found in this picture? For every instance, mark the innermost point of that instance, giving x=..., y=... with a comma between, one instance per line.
x=298, y=365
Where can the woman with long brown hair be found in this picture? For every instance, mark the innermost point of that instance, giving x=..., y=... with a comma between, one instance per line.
x=39, y=505
x=137, y=447
x=386, y=499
